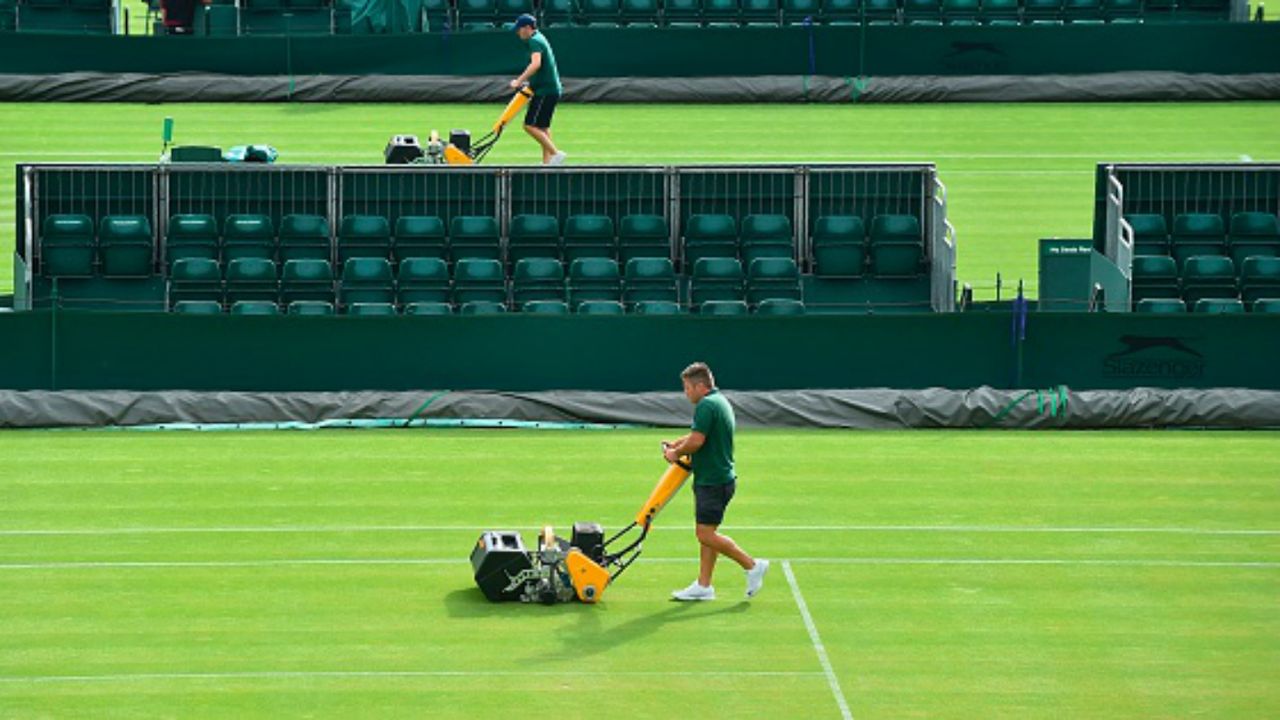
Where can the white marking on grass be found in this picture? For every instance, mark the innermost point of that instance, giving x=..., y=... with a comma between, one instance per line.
x=817, y=642
x=304, y=562
x=393, y=674
x=321, y=529
x=1246, y=158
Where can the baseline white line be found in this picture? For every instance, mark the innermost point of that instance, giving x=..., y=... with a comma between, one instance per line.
x=288, y=562
x=317, y=529
x=344, y=674
x=817, y=642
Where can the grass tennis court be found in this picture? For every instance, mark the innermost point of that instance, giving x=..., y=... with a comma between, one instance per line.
x=946, y=574
x=1015, y=173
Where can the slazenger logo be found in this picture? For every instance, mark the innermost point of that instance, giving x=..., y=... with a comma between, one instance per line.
x=1154, y=357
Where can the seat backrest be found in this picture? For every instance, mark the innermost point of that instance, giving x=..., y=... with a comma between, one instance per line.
x=723, y=307
x=473, y=228
x=125, y=228
x=710, y=228
x=773, y=270
x=483, y=307
x=478, y=271
x=649, y=227
x=250, y=270
x=600, y=307
x=717, y=269
x=844, y=228
x=766, y=227
x=304, y=227
x=1198, y=225
x=248, y=228
x=650, y=270
x=307, y=271
x=366, y=271
x=545, y=307
x=1254, y=224
x=67, y=228
x=423, y=271
x=538, y=270
x=1265, y=269
x=196, y=270
x=534, y=227
x=780, y=306
x=895, y=228
x=1154, y=267
x=1267, y=305
x=798, y=9
x=192, y=227
x=1208, y=267
x=588, y=227
x=1161, y=306
x=658, y=307
x=593, y=270
x=367, y=228
x=419, y=227
x=1219, y=306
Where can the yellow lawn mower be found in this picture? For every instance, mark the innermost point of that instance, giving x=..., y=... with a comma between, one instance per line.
x=459, y=150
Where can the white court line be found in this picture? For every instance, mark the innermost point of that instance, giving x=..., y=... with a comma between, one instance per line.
x=817, y=642
x=1246, y=158
x=304, y=562
x=321, y=529
x=392, y=674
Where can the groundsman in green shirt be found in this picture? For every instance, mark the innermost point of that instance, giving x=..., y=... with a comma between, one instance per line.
x=709, y=445
x=544, y=80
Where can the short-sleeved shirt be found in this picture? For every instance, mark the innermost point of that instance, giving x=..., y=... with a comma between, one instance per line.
x=547, y=80
x=713, y=463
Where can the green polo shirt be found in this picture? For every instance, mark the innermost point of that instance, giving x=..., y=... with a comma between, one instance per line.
x=547, y=80
x=713, y=463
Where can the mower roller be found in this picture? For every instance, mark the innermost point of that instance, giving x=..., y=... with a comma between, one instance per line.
x=560, y=570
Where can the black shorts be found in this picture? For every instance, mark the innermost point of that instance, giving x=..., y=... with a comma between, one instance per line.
x=541, y=108
x=710, y=501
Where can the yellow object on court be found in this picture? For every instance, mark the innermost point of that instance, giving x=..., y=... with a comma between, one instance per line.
x=454, y=156
x=670, y=483
x=516, y=105
x=588, y=579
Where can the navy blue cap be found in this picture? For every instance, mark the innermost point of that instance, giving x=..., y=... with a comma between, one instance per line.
x=526, y=20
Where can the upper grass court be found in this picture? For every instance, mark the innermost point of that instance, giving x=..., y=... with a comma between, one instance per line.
x=1015, y=173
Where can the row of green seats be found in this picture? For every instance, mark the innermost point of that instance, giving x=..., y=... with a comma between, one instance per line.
x=481, y=307
x=1211, y=306
x=1250, y=234
x=121, y=246
x=1205, y=276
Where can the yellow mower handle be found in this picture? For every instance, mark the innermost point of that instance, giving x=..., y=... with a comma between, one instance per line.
x=522, y=97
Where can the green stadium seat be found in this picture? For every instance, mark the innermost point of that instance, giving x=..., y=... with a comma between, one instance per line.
x=1270, y=306
x=1122, y=10
x=439, y=15
x=715, y=278
x=366, y=280
x=1208, y=276
x=772, y=279
x=1083, y=11
x=658, y=307
x=723, y=307
x=839, y=246
x=1161, y=306
x=126, y=246
x=544, y=307
x=709, y=236
x=1253, y=234
x=310, y=308
x=589, y=236
x=248, y=236
x=721, y=13
x=423, y=280
x=191, y=236
x=537, y=279
x=881, y=12
x=371, y=309
x=1001, y=12
x=420, y=236
x=67, y=246
x=761, y=13
x=1260, y=278
x=779, y=306
x=251, y=279
x=594, y=279
x=1150, y=234
x=364, y=236
x=922, y=12
x=897, y=246
x=198, y=307
x=1197, y=234
x=533, y=236
x=767, y=236
x=1218, y=306
x=198, y=279
x=600, y=307
x=640, y=13
x=841, y=12
x=1042, y=12
x=479, y=280
x=255, y=307
x=428, y=308
x=557, y=13
x=1155, y=276
x=474, y=236
x=643, y=236
x=304, y=237
x=477, y=14
x=682, y=13
x=961, y=12
x=600, y=13
x=483, y=307
x=798, y=12
x=649, y=279
x=306, y=280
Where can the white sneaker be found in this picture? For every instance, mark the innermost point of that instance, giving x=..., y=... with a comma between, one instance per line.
x=695, y=592
x=755, y=577
x=557, y=159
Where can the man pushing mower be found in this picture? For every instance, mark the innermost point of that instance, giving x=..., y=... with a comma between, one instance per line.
x=544, y=80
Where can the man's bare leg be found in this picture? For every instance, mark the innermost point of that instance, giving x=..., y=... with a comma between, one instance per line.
x=544, y=139
x=713, y=545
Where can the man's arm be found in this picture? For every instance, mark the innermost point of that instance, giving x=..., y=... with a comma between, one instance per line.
x=535, y=64
x=687, y=445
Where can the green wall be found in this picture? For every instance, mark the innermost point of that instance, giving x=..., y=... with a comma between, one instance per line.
x=1219, y=48
x=106, y=350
